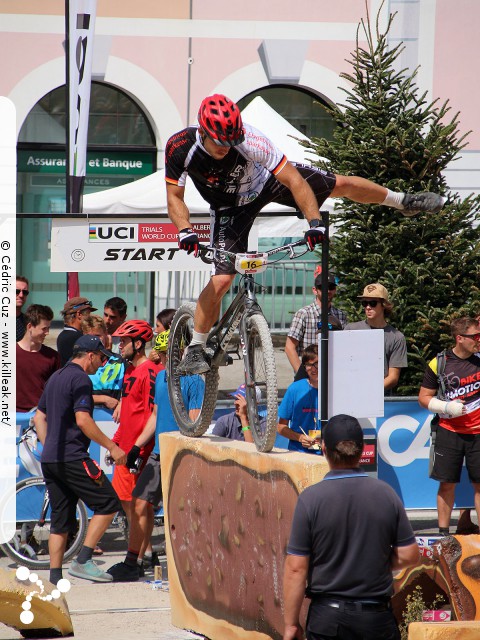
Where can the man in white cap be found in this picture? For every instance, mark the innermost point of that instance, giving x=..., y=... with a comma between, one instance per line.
x=378, y=308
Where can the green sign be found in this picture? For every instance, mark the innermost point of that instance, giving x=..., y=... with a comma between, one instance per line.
x=109, y=162
x=93, y=182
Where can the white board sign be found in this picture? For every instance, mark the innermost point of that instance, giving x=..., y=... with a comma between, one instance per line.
x=355, y=373
x=116, y=244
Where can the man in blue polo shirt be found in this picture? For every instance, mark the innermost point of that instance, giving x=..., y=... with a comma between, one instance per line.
x=65, y=428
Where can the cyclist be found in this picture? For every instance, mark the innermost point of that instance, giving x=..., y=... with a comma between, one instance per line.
x=148, y=490
x=136, y=406
x=238, y=170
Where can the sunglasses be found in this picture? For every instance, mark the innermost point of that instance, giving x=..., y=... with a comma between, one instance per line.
x=473, y=336
x=369, y=303
x=331, y=287
x=83, y=304
x=25, y=292
x=312, y=365
x=102, y=356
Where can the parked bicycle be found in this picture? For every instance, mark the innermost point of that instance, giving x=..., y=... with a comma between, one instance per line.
x=29, y=545
x=245, y=314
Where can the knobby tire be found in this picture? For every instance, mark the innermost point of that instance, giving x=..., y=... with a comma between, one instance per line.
x=260, y=361
x=181, y=332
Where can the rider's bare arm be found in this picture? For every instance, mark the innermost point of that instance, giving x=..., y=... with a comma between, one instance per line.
x=301, y=191
x=177, y=209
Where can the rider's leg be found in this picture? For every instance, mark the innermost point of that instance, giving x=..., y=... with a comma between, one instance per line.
x=359, y=190
x=208, y=305
x=367, y=192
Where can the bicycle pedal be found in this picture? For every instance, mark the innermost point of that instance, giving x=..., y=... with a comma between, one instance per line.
x=226, y=360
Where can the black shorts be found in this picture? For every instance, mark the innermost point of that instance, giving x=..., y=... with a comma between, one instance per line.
x=149, y=486
x=68, y=482
x=230, y=227
x=451, y=449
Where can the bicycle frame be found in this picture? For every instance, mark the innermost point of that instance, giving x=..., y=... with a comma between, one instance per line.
x=242, y=306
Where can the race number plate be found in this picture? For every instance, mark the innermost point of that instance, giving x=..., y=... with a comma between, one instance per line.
x=251, y=262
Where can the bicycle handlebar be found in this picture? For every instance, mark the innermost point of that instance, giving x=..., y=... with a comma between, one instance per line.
x=229, y=254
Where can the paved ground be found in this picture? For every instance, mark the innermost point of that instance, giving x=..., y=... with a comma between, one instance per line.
x=123, y=611
x=112, y=611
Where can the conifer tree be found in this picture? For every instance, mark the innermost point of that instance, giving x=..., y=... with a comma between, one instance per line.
x=389, y=133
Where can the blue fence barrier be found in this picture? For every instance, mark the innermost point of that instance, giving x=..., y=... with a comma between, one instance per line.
x=403, y=450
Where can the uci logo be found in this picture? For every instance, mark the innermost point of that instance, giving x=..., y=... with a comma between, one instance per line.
x=109, y=232
x=402, y=440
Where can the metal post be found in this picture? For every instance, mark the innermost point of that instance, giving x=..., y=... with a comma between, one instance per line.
x=324, y=331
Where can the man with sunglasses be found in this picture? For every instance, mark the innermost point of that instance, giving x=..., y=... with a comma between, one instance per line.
x=378, y=309
x=238, y=170
x=65, y=427
x=458, y=433
x=306, y=323
x=74, y=311
x=21, y=298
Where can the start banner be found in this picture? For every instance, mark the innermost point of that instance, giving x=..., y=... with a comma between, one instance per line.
x=123, y=245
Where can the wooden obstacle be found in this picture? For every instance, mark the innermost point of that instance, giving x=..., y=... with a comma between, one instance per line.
x=228, y=513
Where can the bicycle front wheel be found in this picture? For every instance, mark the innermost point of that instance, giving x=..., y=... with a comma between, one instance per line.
x=261, y=382
x=192, y=397
x=29, y=545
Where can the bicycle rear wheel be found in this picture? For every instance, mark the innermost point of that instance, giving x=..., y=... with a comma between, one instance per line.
x=189, y=391
x=261, y=382
x=29, y=545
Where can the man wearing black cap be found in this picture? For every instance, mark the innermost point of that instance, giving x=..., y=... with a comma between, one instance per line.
x=305, y=325
x=348, y=533
x=74, y=311
x=65, y=428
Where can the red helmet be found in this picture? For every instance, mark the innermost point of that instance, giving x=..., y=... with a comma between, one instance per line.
x=220, y=118
x=136, y=329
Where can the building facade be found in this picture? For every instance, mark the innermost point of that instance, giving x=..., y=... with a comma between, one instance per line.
x=155, y=61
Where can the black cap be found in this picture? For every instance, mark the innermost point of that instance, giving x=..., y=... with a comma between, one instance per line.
x=340, y=428
x=331, y=280
x=90, y=343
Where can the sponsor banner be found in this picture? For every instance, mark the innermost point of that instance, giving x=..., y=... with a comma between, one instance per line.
x=125, y=245
x=403, y=446
x=403, y=452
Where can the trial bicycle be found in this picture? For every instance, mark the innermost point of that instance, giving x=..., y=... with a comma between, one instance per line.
x=245, y=314
x=29, y=545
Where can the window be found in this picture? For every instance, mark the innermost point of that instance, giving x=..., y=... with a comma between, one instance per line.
x=303, y=109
